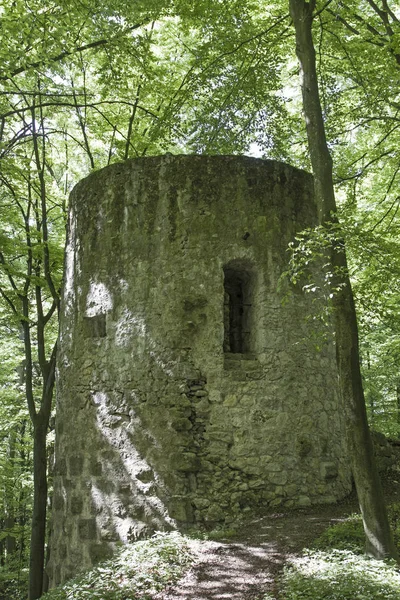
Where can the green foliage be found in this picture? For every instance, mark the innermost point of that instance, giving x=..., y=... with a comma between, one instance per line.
x=15, y=465
x=349, y=533
x=337, y=568
x=346, y=535
x=340, y=575
x=310, y=270
x=309, y=262
x=137, y=571
x=375, y=264
x=14, y=580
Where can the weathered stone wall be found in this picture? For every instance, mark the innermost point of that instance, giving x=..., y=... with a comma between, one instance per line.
x=189, y=386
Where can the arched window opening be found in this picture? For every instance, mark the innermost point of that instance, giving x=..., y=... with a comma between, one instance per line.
x=238, y=304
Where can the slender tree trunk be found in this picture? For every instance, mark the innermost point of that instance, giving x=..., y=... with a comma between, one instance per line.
x=10, y=502
x=379, y=542
x=40, y=418
x=371, y=393
x=40, y=422
x=39, y=508
x=22, y=500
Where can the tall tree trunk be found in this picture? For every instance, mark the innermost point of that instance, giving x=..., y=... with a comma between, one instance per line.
x=379, y=541
x=39, y=508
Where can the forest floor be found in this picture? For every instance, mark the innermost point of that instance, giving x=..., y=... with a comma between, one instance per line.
x=247, y=565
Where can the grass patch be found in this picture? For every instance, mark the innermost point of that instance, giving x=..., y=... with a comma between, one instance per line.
x=136, y=572
x=340, y=575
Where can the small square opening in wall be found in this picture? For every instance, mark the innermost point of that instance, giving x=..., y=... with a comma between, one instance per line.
x=239, y=335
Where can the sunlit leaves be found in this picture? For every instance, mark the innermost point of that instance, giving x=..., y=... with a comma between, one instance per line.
x=339, y=575
x=140, y=570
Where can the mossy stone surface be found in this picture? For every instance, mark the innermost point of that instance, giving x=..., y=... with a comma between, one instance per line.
x=174, y=407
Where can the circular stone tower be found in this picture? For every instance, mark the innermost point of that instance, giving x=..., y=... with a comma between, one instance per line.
x=190, y=389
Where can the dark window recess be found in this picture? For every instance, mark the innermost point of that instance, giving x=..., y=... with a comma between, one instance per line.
x=95, y=327
x=237, y=311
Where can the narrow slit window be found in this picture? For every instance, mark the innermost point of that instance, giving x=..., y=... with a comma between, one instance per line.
x=237, y=311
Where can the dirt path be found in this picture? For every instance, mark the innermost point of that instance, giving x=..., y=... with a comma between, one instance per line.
x=246, y=567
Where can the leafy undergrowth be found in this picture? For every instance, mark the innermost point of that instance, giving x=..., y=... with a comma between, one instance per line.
x=337, y=569
x=346, y=535
x=136, y=572
x=349, y=534
x=340, y=575
x=13, y=582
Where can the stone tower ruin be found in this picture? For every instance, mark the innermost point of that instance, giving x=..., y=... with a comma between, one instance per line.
x=190, y=389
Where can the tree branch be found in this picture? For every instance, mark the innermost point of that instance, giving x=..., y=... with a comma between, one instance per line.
x=59, y=57
x=47, y=395
x=40, y=170
x=9, y=276
x=9, y=301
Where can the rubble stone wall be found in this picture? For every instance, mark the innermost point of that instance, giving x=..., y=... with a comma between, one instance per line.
x=190, y=386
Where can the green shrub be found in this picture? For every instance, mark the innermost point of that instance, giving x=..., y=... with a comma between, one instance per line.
x=349, y=534
x=346, y=535
x=336, y=568
x=13, y=580
x=13, y=585
x=137, y=571
x=340, y=575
